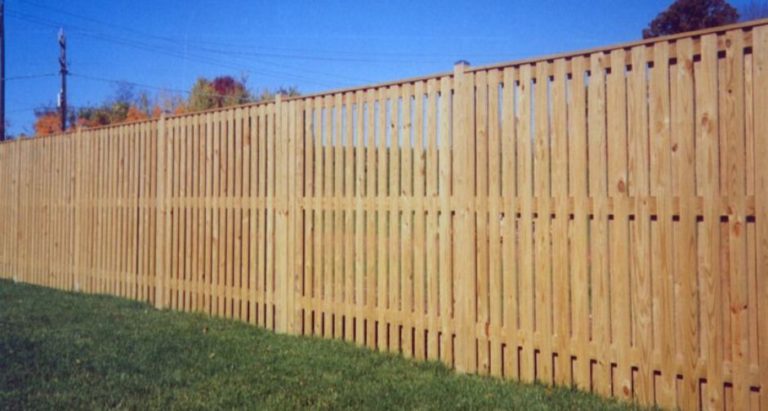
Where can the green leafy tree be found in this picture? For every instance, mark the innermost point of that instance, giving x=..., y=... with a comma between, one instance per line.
x=267, y=94
x=125, y=105
x=689, y=15
x=200, y=97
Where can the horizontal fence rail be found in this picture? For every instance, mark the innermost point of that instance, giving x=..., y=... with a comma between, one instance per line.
x=597, y=219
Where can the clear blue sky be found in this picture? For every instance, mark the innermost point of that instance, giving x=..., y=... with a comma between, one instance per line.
x=314, y=45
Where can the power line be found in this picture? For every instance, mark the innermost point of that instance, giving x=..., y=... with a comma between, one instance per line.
x=208, y=60
x=142, y=85
x=170, y=53
x=132, y=83
x=176, y=40
x=201, y=59
x=109, y=24
x=22, y=109
x=43, y=108
x=31, y=76
x=378, y=56
x=164, y=50
x=346, y=56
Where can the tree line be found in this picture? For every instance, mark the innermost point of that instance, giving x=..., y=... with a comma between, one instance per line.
x=128, y=105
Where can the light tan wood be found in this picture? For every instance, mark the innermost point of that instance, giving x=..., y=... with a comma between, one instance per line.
x=480, y=176
x=464, y=234
x=684, y=167
x=382, y=219
x=542, y=268
x=509, y=224
x=495, y=280
x=210, y=300
x=318, y=239
x=577, y=163
x=216, y=254
x=357, y=190
x=597, y=150
x=371, y=267
x=185, y=225
x=282, y=229
x=620, y=284
x=760, y=101
x=348, y=166
x=561, y=282
x=525, y=194
x=196, y=221
x=419, y=276
x=394, y=217
x=405, y=240
x=254, y=234
x=432, y=248
x=661, y=267
x=161, y=267
x=446, y=260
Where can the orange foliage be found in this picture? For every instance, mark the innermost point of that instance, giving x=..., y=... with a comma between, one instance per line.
x=48, y=124
x=134, y=114
x=180, y=109
x=86, y=123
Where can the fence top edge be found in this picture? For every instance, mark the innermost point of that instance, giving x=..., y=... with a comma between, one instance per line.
x=625, y=45
x=513, y=63
x=318, y=94
x=77, y=129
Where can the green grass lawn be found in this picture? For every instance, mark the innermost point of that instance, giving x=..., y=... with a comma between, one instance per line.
x=71, y=351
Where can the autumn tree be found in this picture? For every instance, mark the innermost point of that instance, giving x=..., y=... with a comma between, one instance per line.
x=135, y=114
x=97, y=116
x=220, y=92
x=126, y=105
x=689, y=15
x=47, y=122
x=169, y=103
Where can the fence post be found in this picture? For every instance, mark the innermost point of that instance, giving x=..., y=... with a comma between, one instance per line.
x=760, y=50
x=464, y=234
x=283, y=270
x=296, y=174
x=78, y=210
x=17, y=211
x=293, y=187
x=162, y=216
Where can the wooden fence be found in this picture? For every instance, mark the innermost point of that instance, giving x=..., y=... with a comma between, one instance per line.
x=597, y=218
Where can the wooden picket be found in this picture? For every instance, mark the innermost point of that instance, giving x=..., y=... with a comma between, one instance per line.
x=596, y=219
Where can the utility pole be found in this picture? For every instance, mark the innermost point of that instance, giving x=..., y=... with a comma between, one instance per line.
x=2, y=70
x=63, y=72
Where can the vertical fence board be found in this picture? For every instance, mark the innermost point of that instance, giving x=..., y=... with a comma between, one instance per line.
x=760, y=83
